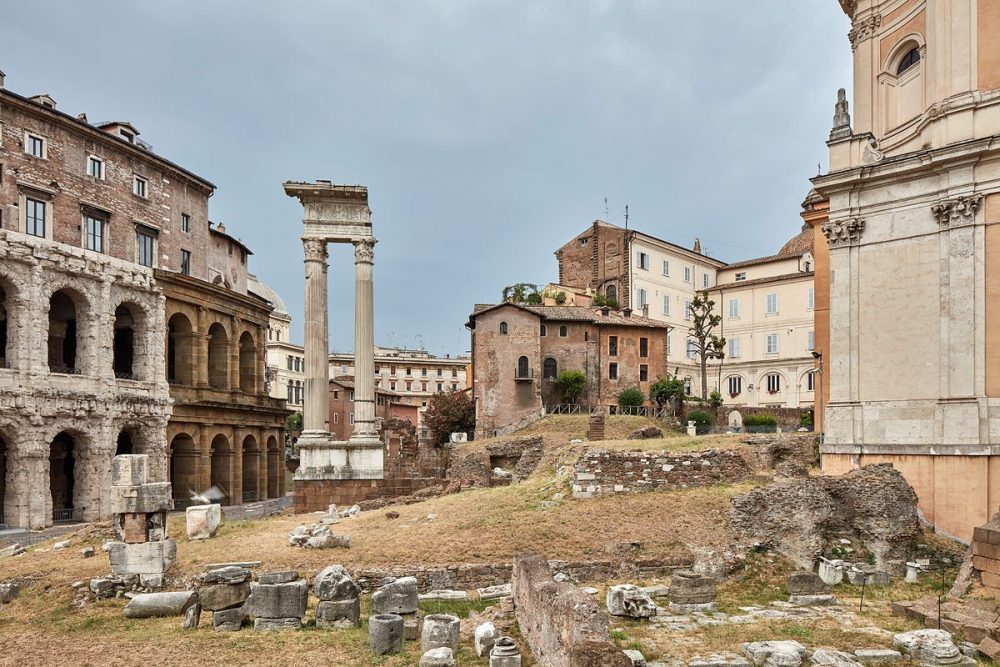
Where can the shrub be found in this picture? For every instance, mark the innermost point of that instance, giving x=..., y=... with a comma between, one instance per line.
x=715, y=399
x=631, y=398
x=702, y=421
x=560, y=298
x=612, y=304
x=600, y=300
x=666, y=389
x=294, y=422
x=806, y=420
x=760, y=423
x=450, y=412
x=571, y=385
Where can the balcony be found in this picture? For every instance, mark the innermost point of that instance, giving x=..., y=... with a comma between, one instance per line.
x=524, y=375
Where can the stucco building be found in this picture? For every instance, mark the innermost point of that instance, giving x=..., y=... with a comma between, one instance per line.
x=914, y=255
x=114, y=338
x=285, y=360
x=519, y=351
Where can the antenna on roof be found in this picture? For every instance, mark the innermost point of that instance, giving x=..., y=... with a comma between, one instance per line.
x=607, y=214
x=626, y=216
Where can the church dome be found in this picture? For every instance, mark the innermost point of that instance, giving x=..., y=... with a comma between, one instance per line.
x=798, y=244
x=266, y=292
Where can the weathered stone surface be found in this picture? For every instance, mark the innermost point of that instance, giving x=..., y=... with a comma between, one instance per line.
x=334, y=583
x=229, y=620
x=151, y=605
x=719, y=660
x=599, y=472
x=192, y=617
x=645, y=433
x=276, y=624
x=494, y=592
x=812, y=600
x=505, y=653
x=278, y=600
x=438, y=657
x=202, y=521
x=338, y=613
x=282, y=577
x=806, y=583
x=989, y=648
x=9, y=590
x=444, y=595
x=824, y=657
x=628, y=600
x=775, y=653
x=230, y=574
x=831, y=571
x=869, y=576
x=12, y=550
x=691, y=588
x=87, y=552
x=328, y=541
x=385, y=633
x=411, y=627
x=216, y=597
x=930, y=647
x=147, y=558
x=146, y=498
x=484, y=638
x=398, y=597
x=636, y=658
x=439, y=630
x=106, y=587
x=129, y=469
x=877, y=656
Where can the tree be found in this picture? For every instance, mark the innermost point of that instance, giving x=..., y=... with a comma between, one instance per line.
x=715, y=399
x=450, y=412
x=571, y=385
x=669, y=388
x=294, y=422
x=631, y=398
x=522, y=294
x=706, y=344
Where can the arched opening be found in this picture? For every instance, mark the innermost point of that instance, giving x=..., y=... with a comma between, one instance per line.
x=522, y=367
x=222, y=471
x=910, y=59
x=218, y=357
x=180, y=357
x=3, y=476
x=183, y=469
x=250, y=469
x=63, y=334
x=124, y=444
x=902, y=88
x=503, y=328
x=62, y=476
x=275, y=469
x=248, y=363
x=124, y=344
x=549, y=369
x=5, y=354
x=612, y=292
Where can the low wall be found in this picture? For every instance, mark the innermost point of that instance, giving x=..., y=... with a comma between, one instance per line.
x=788, y=418
x=601, y=473
x=472, y=464
x=564, y=627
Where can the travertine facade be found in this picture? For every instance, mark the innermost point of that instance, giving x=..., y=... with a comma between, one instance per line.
x=914, y=246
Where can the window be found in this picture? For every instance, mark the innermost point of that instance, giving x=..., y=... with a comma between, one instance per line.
x=392, y=385
x=291, y=362
x=735, y=386
x=291, y=392
x=687, y=310
x=741, y=276
x=668, y=345
x=94, y=233
x=811, y=299
x=186, y=262
x=298, y=392
x=643, y=373
x=666, y=267
x=409, y=385
x=336, y=418
x=612, y=371
x=454, y=372
x=350, y=395
x=734, y=348
x=687, y=274
x=773, y=383
x=34, y=217
x=563, y=331
x=503, y=329
x=811, y=381
x=584, y=241
x=542, y=331
x=811, y=344
x=351, y=418
x=522, y=367
x=612, y=346
x=641, y=298
x=392, y=370
x=772, y=303
x=503, y=332
x=35, y=146
x=185, y=222
x=643, y=261
x=704, y=280
x=423, y=372
x=734, y=309
x=666, y=304
x=145, y=244
x=692, y=349
x=95, y=167
x=643, y=347
x=687, y=386
x=612, y=292
x=440, y=372
x=127, y=136
x=336, y=394
x=454, y=386
x=440, y=387
x=772, y=343
x=139, y=186
x=911, y=58
x=549, y=369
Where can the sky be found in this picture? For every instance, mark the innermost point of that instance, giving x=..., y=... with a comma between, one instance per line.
x=488, y=132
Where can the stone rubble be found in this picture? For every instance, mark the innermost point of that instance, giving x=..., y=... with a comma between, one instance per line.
x=153, y=605
x=12, y=550
x=505, y=653
x=931, y=648
x=824, y=657
x=440, y=630
x=494, y=592
x=340, y=598
x=278, y=606
x=690, y=591
x=202, y=521
x=484, y=638
x=628, y=600
x=877, y=656
x=224, y=592
x=9, y=590
x=385, y=633
x=396, y=597
x=779, y=653
x=636, y=657
x=438, y=657
x=809, y=589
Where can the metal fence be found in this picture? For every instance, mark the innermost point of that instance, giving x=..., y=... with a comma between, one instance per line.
x=259, y=510
x=66, y=515
x=634, y=411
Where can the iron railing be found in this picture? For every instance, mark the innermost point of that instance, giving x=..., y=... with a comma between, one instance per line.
x=126, y=376
x=66, y=515
x=64, y=370
x=249, y=496
x=634, y=411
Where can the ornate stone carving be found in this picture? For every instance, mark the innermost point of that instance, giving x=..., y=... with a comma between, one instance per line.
x=841, y=118
x=872, y=153
x=315, y=250
x=843, y=232
x=957, y=211
x=863, y=29
x=364, y=251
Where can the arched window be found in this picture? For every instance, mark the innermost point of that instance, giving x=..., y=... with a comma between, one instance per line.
x=124, y=344
x=911, y=58
x=180, y=355
x=62, y=334
x=549, y=369
x=248, y=363
x=687, y=386
x=773, y=383
x=612, y=292
x=218, y=357
x=522, y=367
x=563, y=331
x=5, y=354
x=542, y=331
x=503, y=328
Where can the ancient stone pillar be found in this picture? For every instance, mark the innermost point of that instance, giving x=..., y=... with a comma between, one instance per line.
x=364, y=343
x=315, y=404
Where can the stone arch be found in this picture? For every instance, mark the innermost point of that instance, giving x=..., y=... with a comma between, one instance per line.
x=218, y=356
x=125, y=444
x=180, y=350
x=611, y=291
x=250, y=462
x=9, y=316
x=902, y=89
x=134, y=340
x=184, y=457
x=248, y=363
x=735, y=420
x=274, y=469
x=64, y=455
x=4, y=461
x=762, y=382
x=222, y=467
x=67, y=316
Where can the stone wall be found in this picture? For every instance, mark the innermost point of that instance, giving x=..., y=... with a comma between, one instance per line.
x=472, y=464
x=563, y=626
x=789, y=419
x=600, y=473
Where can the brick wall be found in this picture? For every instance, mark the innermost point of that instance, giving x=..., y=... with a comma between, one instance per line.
x=600, y=473
x=500, y=398
x=788, y=418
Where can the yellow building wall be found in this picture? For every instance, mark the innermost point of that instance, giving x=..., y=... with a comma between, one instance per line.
x=988, y=28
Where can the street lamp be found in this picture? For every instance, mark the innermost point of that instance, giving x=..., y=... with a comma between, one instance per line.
x=819, y=357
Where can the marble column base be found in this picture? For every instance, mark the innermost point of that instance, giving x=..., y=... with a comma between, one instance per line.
x=327, y=459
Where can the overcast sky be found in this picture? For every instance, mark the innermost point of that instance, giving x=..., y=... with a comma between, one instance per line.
x=488, y=132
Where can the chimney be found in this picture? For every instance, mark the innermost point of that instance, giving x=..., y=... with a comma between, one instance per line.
x=627, y=312
x=605, y=312
x=697, y=246
x=645, y=310
x=219, y=227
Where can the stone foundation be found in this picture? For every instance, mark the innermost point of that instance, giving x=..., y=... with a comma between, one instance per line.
x=600, y=473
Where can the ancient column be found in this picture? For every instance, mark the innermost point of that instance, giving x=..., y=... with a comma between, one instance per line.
x=364, y=343
x=315, y=404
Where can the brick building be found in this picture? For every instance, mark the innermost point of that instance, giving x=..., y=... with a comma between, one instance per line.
x=519, y=351
x=387, y=406
x=125, y=325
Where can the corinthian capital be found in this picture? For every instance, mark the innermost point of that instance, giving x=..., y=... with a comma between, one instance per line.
x=843, y=232
x=364, y=251
x=864, y=28
x=957, y=211
x=315, y=250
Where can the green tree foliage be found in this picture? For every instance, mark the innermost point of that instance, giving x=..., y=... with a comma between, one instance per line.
x=706, y=344
x=702, y=421
x=631, y=397
x=666, y=389
x=522, y=294
x=450, y=412
x=715, y=399
x=294, y=422
x=571, y=385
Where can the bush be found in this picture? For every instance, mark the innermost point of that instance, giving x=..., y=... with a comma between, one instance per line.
x=702, y=421
x=571, y=385
x=715, y=399
x=560, y=298
x=450, y=412
x=760, y=423
x=806, y=420
x=631, y=398
x=294, y=422
x=665, y=390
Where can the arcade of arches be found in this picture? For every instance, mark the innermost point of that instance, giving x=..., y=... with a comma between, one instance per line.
x=246, y=465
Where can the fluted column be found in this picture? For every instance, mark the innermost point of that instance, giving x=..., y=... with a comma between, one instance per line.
x=314, y=408
x=364, y=343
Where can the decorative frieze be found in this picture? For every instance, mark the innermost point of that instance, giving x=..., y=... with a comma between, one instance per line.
x=843, y=232
x=864, y=29
x=957, y=211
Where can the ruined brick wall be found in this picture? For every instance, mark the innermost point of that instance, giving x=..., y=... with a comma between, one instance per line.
x=600, y=473
x=564, y=627
x=473, y=464
x=789, y=419
x=575, y=259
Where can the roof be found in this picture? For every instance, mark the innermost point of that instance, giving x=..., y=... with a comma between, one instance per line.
x=679, y=248
x=226, y=235
x=762, y=281
x=347, y=381
x=576, y=314
x=266, y=292
x=799, y=244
